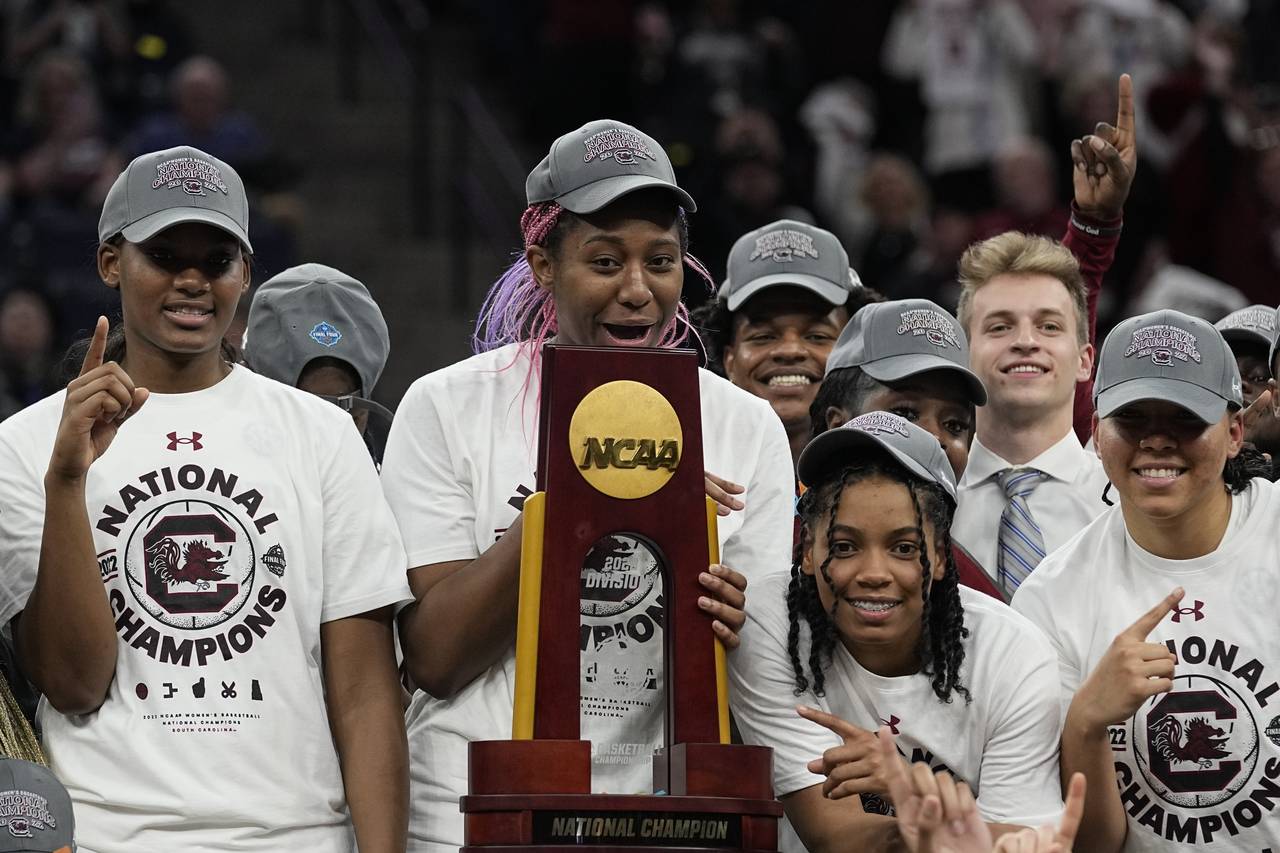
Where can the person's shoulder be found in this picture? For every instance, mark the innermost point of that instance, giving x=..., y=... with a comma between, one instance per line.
x=997, y=629
x=485, y=370
x=767, y=604
x=35, y=424
x=717, y=389
x=285, y=398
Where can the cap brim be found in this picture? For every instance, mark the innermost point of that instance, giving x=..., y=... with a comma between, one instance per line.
x=898, y=367
x=1204, y=404
x=833, y=293
x=149, y=226
x=822, y=457
x=605, y=191
x=1247, y=336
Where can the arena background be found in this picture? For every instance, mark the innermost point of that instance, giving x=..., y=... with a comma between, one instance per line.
x=391, y=138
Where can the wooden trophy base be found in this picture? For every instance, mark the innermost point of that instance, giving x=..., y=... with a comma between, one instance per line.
x=535, y=796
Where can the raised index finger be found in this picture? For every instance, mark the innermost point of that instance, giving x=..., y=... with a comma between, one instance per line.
x=844, y=728
x=1124, y=116
x=97, y=347
x=1148, y=621
x=1072, y=812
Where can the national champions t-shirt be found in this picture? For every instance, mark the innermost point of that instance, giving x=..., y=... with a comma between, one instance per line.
x=1198, y=767
x=460, y=461
x=229, y=524
x=1003, y=744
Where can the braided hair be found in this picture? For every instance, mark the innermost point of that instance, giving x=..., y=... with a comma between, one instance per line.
x=941, y=646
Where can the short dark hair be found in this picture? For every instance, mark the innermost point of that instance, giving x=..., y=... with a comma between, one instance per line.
x=846, y=388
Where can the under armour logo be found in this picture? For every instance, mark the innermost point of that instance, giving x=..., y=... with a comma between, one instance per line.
x=892, y=723
x=193, y=440
x=1196, y=611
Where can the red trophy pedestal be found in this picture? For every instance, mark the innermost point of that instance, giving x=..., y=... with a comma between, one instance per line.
x=619, y=473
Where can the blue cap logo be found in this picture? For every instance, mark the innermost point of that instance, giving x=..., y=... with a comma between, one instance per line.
x=325, y=334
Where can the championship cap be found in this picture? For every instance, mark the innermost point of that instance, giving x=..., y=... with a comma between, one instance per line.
x=312, y=311
x=35, y=810
x=891, y=341
x=787, y=252
x=599, y=163
x=1253, y=325
x=1167, y=355
x=166, y=188
x=913, y=447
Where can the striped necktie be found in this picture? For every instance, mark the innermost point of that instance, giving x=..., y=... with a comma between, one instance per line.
x=1021, y=544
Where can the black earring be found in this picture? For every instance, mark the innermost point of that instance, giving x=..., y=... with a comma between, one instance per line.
x=1106, y=500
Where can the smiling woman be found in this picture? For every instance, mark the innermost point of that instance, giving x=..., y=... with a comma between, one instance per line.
x=605, y=249
x=872, y=628
x=219, y=543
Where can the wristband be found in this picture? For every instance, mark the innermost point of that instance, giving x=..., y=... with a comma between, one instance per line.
x=1095, y=230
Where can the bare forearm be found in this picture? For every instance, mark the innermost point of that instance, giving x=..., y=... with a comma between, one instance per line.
x=375, y=769
x=466, y=621
x=1086, y=749
x=67, y=638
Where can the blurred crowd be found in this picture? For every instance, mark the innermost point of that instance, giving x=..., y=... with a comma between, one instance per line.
x=913, y=128
x=85, y=86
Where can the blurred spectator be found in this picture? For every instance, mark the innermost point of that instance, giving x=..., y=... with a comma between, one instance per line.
x=202, y=116
x=60, y=149
x=751, y=187
x=970, y=57
x=26, y=350
x=840, y=119
x=161, y=42
x=1191, y=292
x=91, y=29
x=1025, y=192
x=1145, y=38
x=896, y=206
x=931, y=271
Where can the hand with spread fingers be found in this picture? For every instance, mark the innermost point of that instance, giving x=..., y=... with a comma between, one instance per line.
x=937, y=814
x=726, y=604
x=1106, y=161
x=854, y=767
x=1131, y=672
x=98, y=401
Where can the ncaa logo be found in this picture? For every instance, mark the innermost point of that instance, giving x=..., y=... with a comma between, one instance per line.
x=1197, y=745
x=190, y=564
x=617, y=574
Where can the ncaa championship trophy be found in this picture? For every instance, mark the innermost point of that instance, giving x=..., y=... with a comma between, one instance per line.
x=620, y=517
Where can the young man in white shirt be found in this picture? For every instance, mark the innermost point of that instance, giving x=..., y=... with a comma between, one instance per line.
x=1175, y=702
x=1025, y=306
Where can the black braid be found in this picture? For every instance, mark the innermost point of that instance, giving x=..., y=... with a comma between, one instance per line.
x=1240, y=469
x=941, y=650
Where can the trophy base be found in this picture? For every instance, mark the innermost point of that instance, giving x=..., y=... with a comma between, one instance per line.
x=535, y=795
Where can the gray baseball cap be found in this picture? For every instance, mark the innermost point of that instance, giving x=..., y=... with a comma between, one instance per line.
x=1253, y=325
x=891, y=341
x=35, y=810
x=787, y=252
x=1167, y=355
x=599, y=163
x=171, y=187
x=915, y=448
x=312, y=311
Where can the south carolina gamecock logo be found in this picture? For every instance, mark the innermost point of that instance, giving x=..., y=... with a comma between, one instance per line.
x=1196, y=746
x=190, y=564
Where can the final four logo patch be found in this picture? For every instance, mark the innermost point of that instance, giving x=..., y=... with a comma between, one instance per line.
x=325, y=334
x=1163, y=343
x=784, y=246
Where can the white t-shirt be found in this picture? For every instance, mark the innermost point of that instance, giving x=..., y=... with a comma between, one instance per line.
x=229, y=524
x=1063, y=503
x=458, y=466
x=1199, y=767
x=1004, y=743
